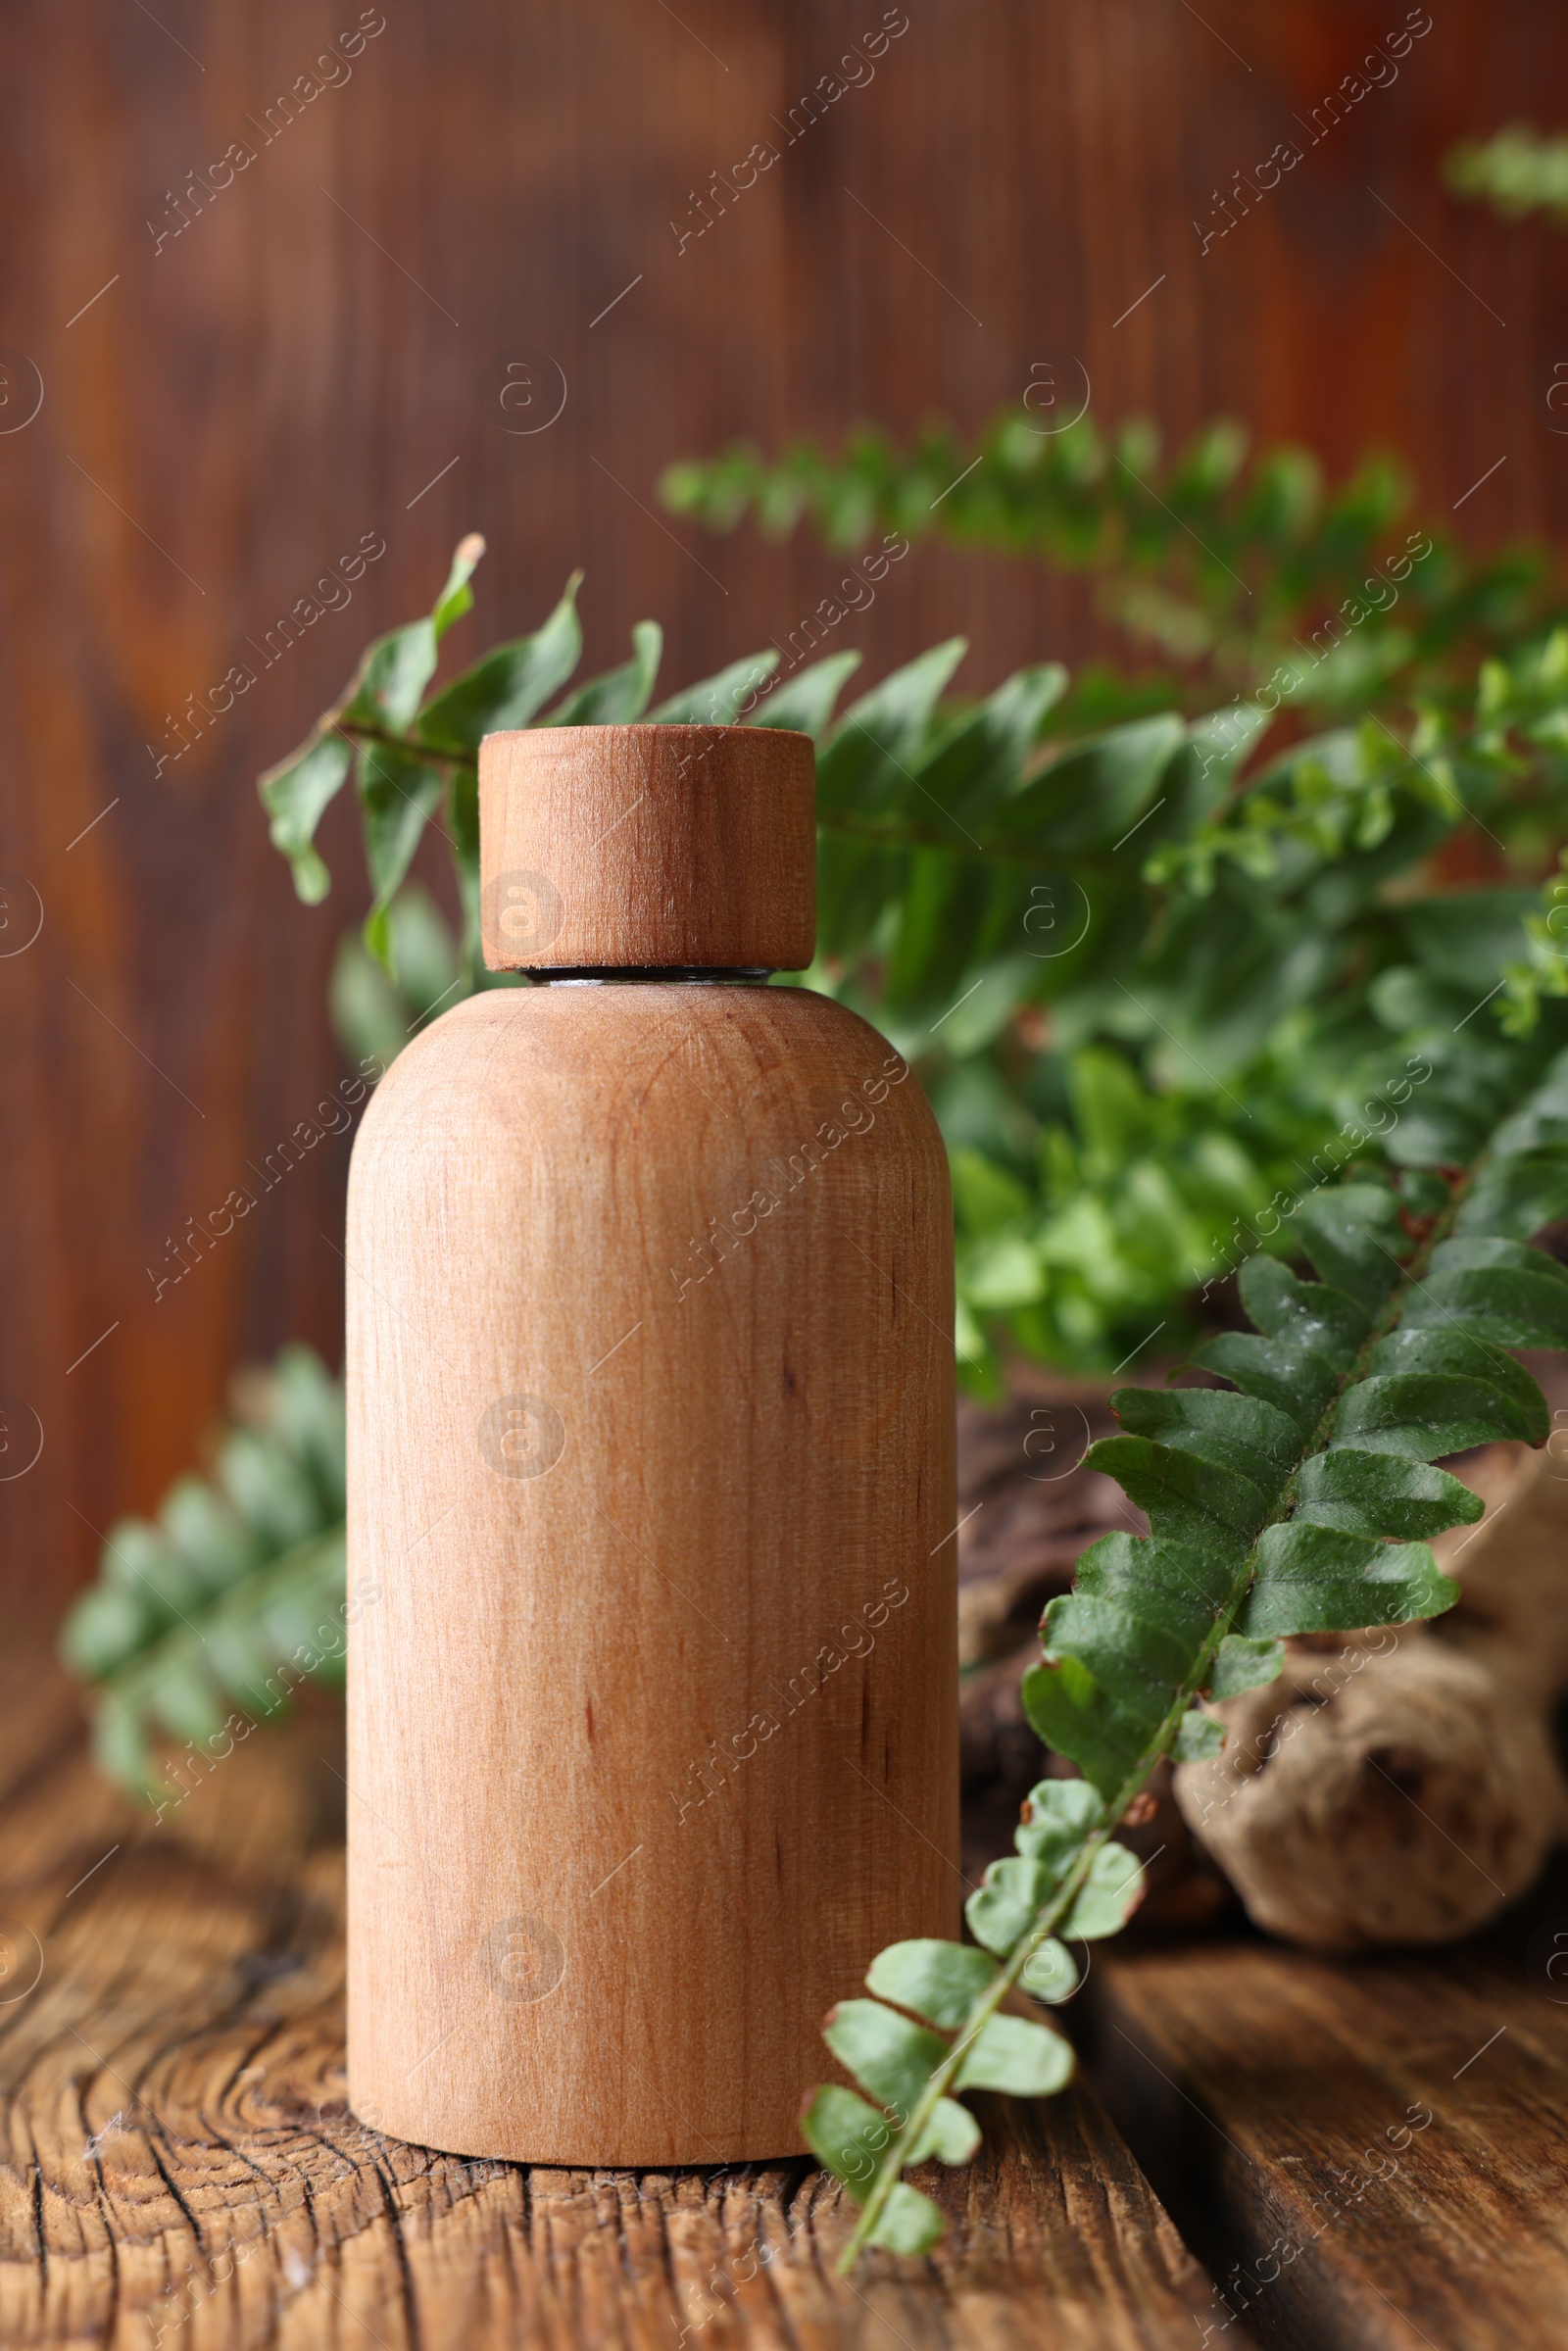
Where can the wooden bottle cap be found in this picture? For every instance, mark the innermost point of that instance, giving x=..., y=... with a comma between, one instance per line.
x=606, y=847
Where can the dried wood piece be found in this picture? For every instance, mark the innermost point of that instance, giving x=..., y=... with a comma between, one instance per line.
x=1363, y=1797
x=1026, y=1512
x=1512, y=1611
x=1402, y=1788
x=1028, y=1508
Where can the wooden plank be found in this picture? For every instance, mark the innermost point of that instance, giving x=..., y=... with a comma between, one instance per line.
x=1368, y=2152
x=176, y=2153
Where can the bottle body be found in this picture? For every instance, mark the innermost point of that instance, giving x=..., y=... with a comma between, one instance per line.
x=653, y=1678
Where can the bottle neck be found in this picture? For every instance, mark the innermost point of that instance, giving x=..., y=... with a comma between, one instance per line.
x=667, y=975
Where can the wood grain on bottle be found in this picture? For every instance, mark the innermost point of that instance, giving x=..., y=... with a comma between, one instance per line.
x=648, y=845
x=653, y=1723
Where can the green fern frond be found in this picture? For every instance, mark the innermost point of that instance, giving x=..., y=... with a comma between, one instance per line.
x=1228, y=571
x=1300, y=1498
x=231, y=1596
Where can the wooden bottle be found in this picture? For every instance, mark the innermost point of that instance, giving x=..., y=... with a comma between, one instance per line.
x=653, y=1728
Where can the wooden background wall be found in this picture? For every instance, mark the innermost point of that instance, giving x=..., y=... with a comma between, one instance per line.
x=227, y=411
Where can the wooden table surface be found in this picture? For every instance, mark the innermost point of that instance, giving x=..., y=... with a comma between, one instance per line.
x=1369, y=2153
x=178, y=2166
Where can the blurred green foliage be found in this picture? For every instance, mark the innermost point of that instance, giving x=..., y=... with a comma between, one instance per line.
x=1517, y=172
x=205, y=1619
x=1229, y=572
